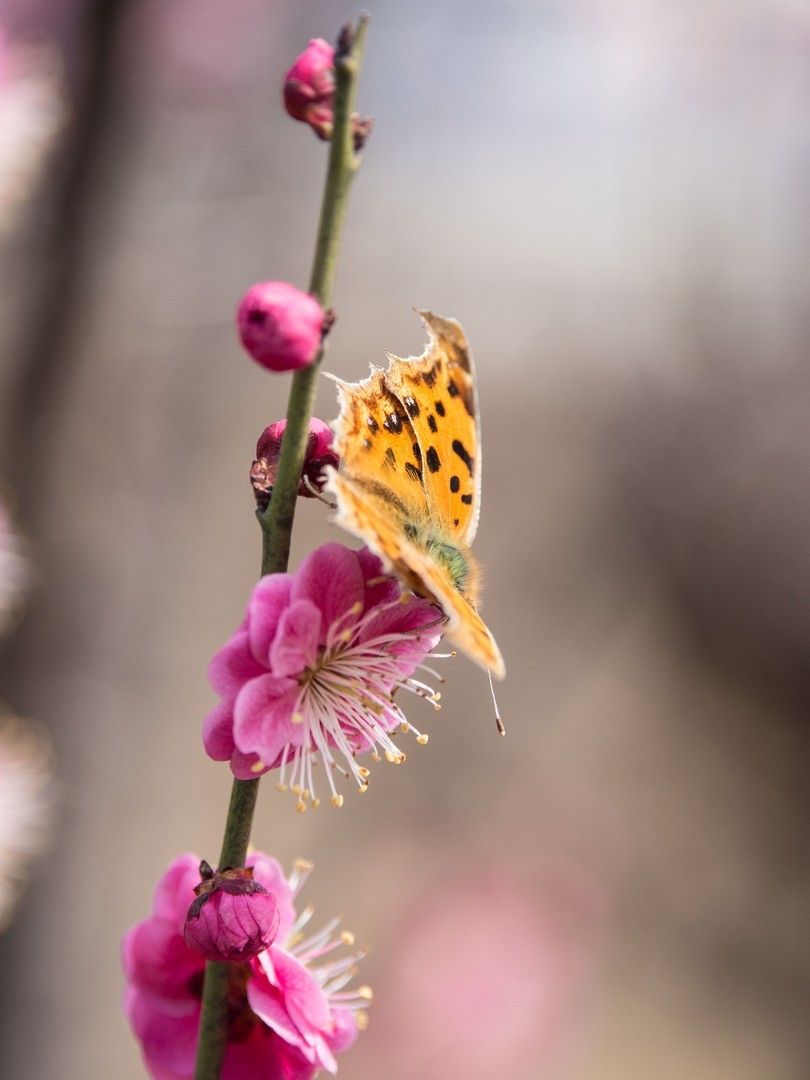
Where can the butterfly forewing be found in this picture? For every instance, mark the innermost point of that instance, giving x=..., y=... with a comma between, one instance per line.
x=437, y=393
x=377, y=445
x=410, y=476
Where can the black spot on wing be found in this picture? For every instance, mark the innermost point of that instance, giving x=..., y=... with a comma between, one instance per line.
x=432, y=459
x=439, y=407
x=455, y=484
x=467, y=499
x=460, y=357
x=432, y=423
x=393, y=422
x=413, y=472
x=461, y=451
x=430, y=375
x=390, y=457
x=417, y=453
x=412, y=406
x=372, y=423
x=465, y=393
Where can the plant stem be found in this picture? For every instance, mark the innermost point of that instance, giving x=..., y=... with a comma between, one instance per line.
x=277, y=520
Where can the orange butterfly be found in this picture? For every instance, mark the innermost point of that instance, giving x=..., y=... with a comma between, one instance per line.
x=410, y=477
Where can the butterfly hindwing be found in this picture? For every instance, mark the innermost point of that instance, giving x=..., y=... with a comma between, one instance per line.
x=368, y=514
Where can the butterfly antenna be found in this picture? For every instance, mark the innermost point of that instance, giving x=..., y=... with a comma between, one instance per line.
x=498, y=721
x=313, y=490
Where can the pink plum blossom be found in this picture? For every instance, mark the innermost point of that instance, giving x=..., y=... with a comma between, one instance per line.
x=309, y=87
x=319, y=453
x=26, y=775
x=233, y=917
x=280, y=326
x=32, y=111
x=313, y=669
x=511, y=953
x=289, y=1012
x=13, y=570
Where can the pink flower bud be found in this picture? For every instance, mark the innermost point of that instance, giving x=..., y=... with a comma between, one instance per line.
x=309, y=87
x=280, y=326
x=233, y=917
x=319, y=453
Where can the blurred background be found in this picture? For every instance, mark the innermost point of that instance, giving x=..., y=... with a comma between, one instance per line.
x=612, y=197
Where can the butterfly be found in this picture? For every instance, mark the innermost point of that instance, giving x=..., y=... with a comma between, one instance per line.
x=410, y=477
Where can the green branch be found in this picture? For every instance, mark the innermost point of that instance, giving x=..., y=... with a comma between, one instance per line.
x=277, y=520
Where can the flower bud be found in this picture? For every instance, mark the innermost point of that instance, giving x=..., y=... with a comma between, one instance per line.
x=319, y=453
x=280, y=326
x=233, y=917
x=309, y=87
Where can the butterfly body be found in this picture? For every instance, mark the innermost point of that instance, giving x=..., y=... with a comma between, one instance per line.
x=410, y=477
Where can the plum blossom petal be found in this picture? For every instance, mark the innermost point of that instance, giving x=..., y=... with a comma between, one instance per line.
x=304, y=1006
x=330, y=577
x=233, y=665
x=268, y=602
x=263, y=717
x=296, y=645
x=218, y=733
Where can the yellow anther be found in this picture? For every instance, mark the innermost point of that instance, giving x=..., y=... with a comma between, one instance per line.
x=303, y=864
x=300, y=806
x=257, y=766
x=282, y=787
x=364, y=772
x=365, y=992
x=337, y=801
x=315, y=804
x=361, y=1019
x=422, y=739
x=297, y=790
x=346, y=635
x=436, y=696
x=297, y=718
x=390, y=756
x=356, y=608
x=404, y=727
x=347, y=937
x=375, y=756
x=362, y=789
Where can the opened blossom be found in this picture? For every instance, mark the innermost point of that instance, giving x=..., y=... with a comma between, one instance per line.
x=312, y=672
x=290, y=1009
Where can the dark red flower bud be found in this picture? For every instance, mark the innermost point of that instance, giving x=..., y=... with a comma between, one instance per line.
x=319, y=453
x=233, y=917
x=280, y=326
x=309, y=87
